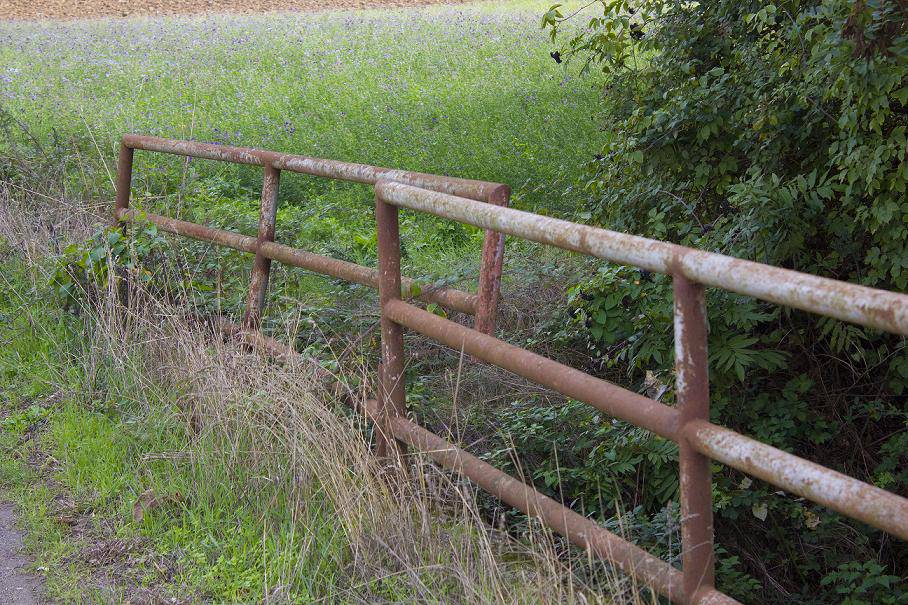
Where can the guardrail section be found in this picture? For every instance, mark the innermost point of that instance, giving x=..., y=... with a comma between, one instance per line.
x=686, y=424
x=484, y=205
x=483, y=305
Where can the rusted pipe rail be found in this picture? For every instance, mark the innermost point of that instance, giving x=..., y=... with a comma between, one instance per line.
x=688, y=424
x=874, y=506
x=631, y=559
x=601, y=394
x=484, y=205
x=331, y=169
x=450, y=298
x=483, y=305
x=861, y=305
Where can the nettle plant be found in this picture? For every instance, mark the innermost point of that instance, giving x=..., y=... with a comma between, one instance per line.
x=777, y=133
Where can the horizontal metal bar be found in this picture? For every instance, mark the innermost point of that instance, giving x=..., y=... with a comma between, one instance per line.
x=631, y=559
x=602, y=395
x=456, y=300
x=841, y=493
x=333, y=169
x=228, y=239
x=654, y=572
x=849, y=302
x=287, y=354
x=450, y=298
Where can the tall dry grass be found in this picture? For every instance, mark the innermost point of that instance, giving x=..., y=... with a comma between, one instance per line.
x=295, y=457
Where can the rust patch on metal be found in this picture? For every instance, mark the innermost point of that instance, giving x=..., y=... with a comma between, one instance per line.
x=124, y=180
x=393, y=396
x=261, y=266
x=692, y=394
x=228, y=239
x=631, y=559
x=602, y=395
x=333, y=169
x=449, y=298
x=848, y=302
x=491, y=268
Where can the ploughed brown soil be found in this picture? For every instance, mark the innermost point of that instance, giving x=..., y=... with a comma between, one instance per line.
x=88, y=9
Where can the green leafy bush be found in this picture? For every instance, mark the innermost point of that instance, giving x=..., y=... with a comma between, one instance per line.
x=777, y=133
x=85, y=267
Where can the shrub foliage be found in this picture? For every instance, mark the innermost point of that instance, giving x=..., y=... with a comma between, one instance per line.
x=777, y=133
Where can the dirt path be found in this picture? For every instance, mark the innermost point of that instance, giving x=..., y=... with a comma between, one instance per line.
x=86, y=9
x=16, y=586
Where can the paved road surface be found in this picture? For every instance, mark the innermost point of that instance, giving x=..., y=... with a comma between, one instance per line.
x=16, y=586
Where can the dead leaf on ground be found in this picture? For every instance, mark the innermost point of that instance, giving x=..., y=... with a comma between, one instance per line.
x=145, y=502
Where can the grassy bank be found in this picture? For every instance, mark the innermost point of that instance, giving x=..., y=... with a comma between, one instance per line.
x=150, y=460
x=184, y=467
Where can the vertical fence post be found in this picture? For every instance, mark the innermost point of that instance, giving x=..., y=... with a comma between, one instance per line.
x=490, y=270
x=124, y=181
x=392, y=401
x=124, y=189
x=692, y=388
x=261, y=266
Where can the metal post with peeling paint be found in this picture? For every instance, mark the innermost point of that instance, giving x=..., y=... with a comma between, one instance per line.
x=124, y=180
x=393, y=394
x=692, y=393
x=261, y=266
x=491, y=268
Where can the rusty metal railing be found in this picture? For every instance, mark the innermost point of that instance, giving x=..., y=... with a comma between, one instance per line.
x=687, y=423
x=483, y=305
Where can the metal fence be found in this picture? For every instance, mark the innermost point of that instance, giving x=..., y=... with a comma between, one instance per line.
x=484, y=205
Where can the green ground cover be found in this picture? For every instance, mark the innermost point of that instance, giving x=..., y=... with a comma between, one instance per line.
x=467, y=91
x=148, y=464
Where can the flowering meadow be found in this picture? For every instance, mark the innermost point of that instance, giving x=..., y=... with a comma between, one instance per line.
x=468, y=90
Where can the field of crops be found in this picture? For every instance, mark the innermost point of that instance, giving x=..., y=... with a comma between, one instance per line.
x=465, y=91
x=83, y=9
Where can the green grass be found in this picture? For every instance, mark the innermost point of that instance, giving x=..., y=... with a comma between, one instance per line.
x=275, y=494
x=93, y=449
x=466, y=90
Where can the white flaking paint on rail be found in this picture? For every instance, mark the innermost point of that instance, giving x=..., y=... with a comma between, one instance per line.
x=859, y=500
x=849, y=302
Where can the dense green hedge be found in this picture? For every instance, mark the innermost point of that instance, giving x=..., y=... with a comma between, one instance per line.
x=772, y=132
